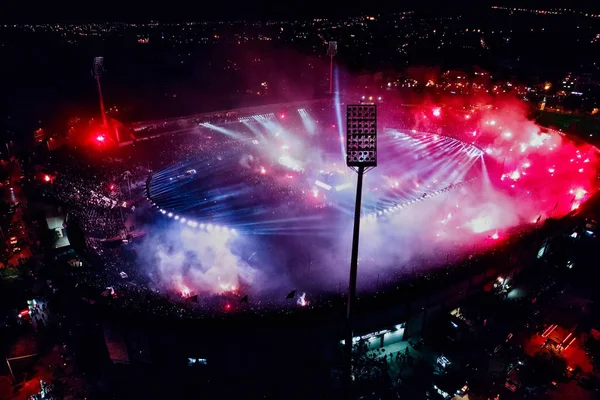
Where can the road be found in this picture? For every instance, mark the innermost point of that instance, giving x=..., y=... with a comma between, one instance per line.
x=15, y=225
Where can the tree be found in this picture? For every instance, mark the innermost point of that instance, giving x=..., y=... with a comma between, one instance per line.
x=546, y=366
x=593, y=347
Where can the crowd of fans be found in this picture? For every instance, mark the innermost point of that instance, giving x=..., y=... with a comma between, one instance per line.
x=90, y=202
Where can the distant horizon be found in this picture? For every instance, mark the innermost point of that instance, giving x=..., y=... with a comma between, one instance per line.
x=113, y=12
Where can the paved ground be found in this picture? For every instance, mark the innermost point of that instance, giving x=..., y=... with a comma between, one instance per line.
x=395, y=368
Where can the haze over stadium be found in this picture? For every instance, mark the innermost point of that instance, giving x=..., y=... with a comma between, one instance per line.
x=265, y=205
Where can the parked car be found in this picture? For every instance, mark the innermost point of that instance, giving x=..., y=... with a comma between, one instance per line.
x=513, y=383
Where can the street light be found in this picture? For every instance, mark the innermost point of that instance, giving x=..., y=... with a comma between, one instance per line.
x=361, y=156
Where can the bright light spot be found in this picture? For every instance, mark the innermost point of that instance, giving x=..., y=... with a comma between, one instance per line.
x=263, y=170
x=481, y=224
x=170, y=214
x=100, y=138
x=302, y=302
x=580, y=169
x=315, y=192
x=538, y=140
x=227, y=287
x=185, y=291
x=551, y=170
x=515, y=175
x=495, y=236
x=474, y=133
x=468, y=116
x=507, y=135
x=575, y=206
x=47, y=178
x=523, y=147
x=579, y=193
x=437, y=112
x=282, y=116
x=492, y=122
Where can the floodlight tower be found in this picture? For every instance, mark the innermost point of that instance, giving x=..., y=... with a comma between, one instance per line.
x=331, y=52
x=361, y=156
x=97, y=71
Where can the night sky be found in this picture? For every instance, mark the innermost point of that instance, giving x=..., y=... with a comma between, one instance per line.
x=138, y=10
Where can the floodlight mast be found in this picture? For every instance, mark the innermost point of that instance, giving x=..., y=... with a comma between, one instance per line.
x=97, y=71
x=331, y=52
x=361, y=156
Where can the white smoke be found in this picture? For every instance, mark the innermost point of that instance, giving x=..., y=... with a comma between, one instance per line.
x=204, y=262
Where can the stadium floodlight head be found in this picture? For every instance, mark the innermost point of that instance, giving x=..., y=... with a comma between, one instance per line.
x=332, y=49
x=98, y=67
x=361, y=135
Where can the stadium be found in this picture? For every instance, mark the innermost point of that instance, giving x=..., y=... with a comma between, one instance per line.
x=238, y=229
x=260, y=212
